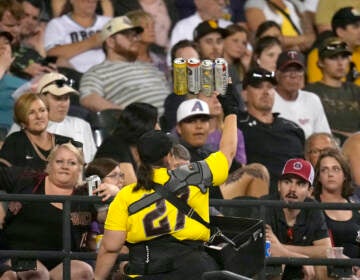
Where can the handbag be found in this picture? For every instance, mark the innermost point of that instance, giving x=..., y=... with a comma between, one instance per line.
x=237, y=244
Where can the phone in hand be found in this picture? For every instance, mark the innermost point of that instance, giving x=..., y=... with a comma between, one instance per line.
x=48, y=60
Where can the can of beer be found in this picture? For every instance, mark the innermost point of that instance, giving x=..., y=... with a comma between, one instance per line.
x=180, y=76
x=221, y=75
x=206, y=77
x=92, y=182
x=193, y=75
x=267, y=248
x=98, y=239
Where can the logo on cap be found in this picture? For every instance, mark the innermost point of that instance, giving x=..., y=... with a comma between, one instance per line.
x=213, y=24
x=197, y=107
x=292, y=54
x=297, y=165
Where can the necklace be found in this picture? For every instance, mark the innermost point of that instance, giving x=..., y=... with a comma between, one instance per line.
x=36, y=148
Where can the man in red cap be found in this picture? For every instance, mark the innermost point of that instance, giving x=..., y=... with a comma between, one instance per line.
x=299, y=233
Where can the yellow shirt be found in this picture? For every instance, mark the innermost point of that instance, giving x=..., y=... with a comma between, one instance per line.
x=286, y=27
x=162, y=217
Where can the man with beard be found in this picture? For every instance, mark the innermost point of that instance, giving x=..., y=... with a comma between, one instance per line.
x=299, y=233
x=120, y=79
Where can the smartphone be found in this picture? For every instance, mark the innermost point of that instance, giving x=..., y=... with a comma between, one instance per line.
x=49, y=59
x=23, y=264
x=93, y=182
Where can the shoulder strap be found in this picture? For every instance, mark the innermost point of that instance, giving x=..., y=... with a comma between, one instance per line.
x=180, y=204
x=285, y=14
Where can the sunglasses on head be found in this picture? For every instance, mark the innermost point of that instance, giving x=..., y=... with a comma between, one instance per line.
x=59, y=83
x=258, y=75
x=336, y=46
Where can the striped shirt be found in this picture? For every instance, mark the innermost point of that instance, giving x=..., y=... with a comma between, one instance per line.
x=123, y=83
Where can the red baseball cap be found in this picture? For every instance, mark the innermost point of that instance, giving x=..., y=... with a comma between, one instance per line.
x=299, y=167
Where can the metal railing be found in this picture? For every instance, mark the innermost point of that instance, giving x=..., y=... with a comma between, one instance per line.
x=67, y=255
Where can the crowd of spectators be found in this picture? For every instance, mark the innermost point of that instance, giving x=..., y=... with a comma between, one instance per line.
x=294, y=68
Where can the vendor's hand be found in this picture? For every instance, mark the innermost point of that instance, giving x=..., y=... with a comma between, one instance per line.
x=106, y=190
x=14, y=207
x=228, y=101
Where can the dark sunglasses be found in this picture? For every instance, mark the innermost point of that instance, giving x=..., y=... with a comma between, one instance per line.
x=59, y=83
x=262, y=76
x=336, y=46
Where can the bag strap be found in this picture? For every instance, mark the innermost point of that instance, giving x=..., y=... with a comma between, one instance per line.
x=180, y=204
x=285, y=14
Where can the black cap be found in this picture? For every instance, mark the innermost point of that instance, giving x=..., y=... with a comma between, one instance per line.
x=206, y=27
x=7, y=35
x=257, y=75
x=153, y=146
x=333, y=46
x=290, y=57
x=345, y=16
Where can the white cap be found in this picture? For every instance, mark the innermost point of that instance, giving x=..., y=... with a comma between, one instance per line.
x=118, y=24
x=192, y=107
x=55, y=83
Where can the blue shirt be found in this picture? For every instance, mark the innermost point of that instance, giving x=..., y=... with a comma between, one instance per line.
x=8, y=84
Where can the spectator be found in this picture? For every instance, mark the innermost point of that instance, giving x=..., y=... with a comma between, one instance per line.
x=316, y=143
x=236, y=50
x=205, y=10
x=8, y=84
x=297, y=31
x=300, y=233
x=10, y=14
x=327, y=8
x=185, y=49
x=28, y=224
x=147, y=39
x=341, y=99
x=193, y=127
x=268, y=28
x=163, y=12
x=269, y=139
x=346, y=25
x=136, y=119
x=333, y=184
x=29, y=51
x=55, y=89
x=31, y=146
x=120, y=80
x=300, y=106
x=74, y=37
x=167, y=242
x=58, y=6
x=266, y=52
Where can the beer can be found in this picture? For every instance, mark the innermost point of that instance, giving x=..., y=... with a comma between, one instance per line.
x=206, y=77
x=267, y=248
x=221, y=75
x=180, y=76
x=92, y=182
x=193, y=75
x=98, y=239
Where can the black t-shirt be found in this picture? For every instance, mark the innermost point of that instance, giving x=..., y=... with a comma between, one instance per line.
x=18, y=150
x=271, y=144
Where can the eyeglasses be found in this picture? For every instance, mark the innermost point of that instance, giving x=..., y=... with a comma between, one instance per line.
x=116, y=176
x=333, y=169
x=296, y=73
x=59, y=83
x=130, y=34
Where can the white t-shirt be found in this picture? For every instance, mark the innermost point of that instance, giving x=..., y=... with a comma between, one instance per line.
x=63, y=30
x=73, y=127
x=307, y=111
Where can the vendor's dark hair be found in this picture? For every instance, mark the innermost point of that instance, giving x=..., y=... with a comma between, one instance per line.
x=136, y=119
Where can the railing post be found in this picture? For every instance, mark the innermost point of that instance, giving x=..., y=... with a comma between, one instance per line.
x=67, y=239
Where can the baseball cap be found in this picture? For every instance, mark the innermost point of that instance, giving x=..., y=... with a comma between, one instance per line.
x=7, y=35
x=118, y=24
x=207, y=27
x=192, y=107
x=333, y=46
x=257, y=75
x=153, y=145
x=287, y=58
x=299, y=167
x=345, y=16
x=56, y=84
